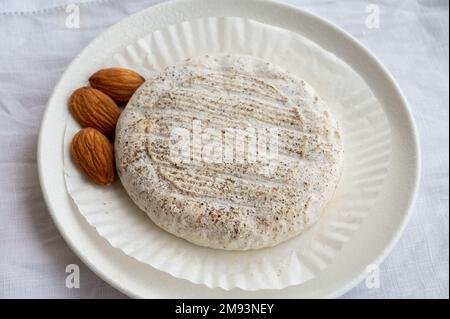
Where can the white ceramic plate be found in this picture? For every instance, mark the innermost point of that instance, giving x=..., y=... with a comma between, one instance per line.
x=379, y=232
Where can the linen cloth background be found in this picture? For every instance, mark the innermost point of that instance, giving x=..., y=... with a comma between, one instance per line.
x=35, y=47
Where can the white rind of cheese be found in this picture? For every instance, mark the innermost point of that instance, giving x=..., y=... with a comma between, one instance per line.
x=233, y=205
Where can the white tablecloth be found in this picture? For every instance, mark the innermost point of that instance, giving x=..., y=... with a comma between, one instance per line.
x=36, y=46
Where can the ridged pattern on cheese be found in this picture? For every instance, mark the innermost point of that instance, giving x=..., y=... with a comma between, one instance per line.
x=240, y=204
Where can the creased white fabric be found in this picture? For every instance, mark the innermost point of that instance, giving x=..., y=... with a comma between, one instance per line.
x=35, y=48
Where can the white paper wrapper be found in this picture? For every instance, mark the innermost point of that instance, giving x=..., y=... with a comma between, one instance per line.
x=366, y=138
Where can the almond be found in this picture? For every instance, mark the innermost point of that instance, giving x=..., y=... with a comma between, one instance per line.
x=93, y=108
x=118, y=83
x=94, y=155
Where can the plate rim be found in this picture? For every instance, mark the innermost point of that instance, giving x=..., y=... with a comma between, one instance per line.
x=416, y=160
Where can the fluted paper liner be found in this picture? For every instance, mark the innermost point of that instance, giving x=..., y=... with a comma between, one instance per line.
x=367, y=148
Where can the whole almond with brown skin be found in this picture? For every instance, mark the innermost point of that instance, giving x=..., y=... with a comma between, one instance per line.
x=93, y=108
x=94, y=155
x=119, y=83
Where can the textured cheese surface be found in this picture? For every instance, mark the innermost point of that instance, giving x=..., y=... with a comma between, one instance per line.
x=237, y=204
